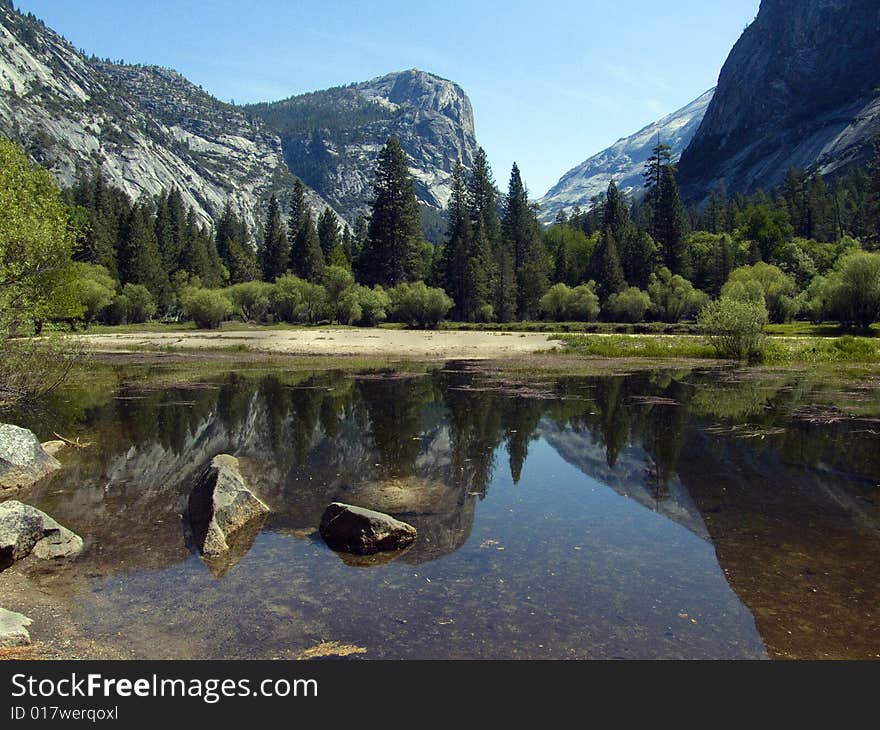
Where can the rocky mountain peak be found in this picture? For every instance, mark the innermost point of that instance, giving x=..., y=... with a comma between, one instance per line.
x=800, y=88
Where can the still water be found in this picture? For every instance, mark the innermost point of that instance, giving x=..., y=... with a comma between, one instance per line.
x=663, y=514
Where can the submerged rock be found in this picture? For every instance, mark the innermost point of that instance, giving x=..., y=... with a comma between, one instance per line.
x=361, y=531
x=23, y=460
x=221, y=506
x=25, y=530
x=13, y=629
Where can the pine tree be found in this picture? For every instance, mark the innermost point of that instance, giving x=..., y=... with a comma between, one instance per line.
x=872, y=204
x=456, y=251
x=276, y=249
x=328, y=232
x=670, y=223
x=487, y=248
x=606, y=268
x=660, y=158
x=522, y=238
x=170, y=222
x=139, y=259
x=394, y=235
x=307, y=259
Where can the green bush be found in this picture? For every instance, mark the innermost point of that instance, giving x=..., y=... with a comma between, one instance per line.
x=95, y=290
x=855, y=289
x=562, y=303
x=297, y=300
x=251, y=300
x=629, y=305
x=337, y=281
x=673, y=297
x=140, y=303
x=363, y=306
x=735, y=328
x=768, y=284
x=419, y=305
x=206, y=307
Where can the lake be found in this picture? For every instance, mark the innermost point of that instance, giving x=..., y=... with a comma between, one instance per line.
x=719, y=513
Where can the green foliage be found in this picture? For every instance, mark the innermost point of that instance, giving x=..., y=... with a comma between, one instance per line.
x=207, y=307
x=395, y=233
x=336, y=281
x=673, y=297
x=276, y=248
x=855, y=288
x=561, y=303
x=606, y=267
x=767, y=228
x=35, y=244
x=735, y=327
x=628, y=305
x=419, y=305
x=251, y=300
x=364, y=306
x=95, y=290
x=767, y=284
x=140, y=304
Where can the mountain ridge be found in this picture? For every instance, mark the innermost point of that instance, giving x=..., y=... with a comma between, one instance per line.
x=624, y=160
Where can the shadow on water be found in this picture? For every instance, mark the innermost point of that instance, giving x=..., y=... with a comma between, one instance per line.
x=660, y=514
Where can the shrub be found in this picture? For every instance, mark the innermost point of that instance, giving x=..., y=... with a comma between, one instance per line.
x=768, y=284
x=419, y=305
x=251, y=300
x=629, y=305
x=337, y=280
x=95, y=290
x=363, y=306
x=206, y=307
x=554, y=303
x=117, y=311
x=286, y=298
x=855, y=289
x=735, y=328
x=673, y=297
x=140, y=303
x=583, y=304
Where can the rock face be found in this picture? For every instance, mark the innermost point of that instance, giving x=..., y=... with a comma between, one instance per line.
x=624, y=161
x=150, y=129
x=147, y=127
x=13, y=629
x=222, y=508
x=801, y=88
x=361, y=531
x=23, y=460
x=25, y=530
x=332, y=138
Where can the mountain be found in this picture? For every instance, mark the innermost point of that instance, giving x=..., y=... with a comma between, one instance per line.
x=147, y=127
x=331, y=138
x=624, y=161
x=800, y=89
x=150, y=129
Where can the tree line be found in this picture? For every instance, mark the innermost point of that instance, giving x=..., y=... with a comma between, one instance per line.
x=806, y=249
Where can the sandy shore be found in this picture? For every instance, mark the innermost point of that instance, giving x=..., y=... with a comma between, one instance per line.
x=336, y=342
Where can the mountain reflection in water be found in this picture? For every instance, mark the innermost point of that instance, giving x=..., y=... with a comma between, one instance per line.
x=662, y=514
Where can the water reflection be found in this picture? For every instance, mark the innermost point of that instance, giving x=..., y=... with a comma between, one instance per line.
x=576, y=517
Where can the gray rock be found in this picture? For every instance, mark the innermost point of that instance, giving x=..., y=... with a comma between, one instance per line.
x=361, y=531
x=221, y=506
x=23, y=460
x=13, y=629
x=798, y=90
x=25, y=530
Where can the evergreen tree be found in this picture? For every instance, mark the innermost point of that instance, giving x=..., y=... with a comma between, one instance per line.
x=170, y=222
x=872, y=207
x=522, y=238
x=606, y=267
x=348, y=245
x=306, y=257
x=670, y=223
x=660, y=158
x=139, y=259
x=394, y=234
x=276, y=249
x=488, y=246
x=328, y=232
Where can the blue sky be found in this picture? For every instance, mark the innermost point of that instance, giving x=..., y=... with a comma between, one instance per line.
x=551, y=82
